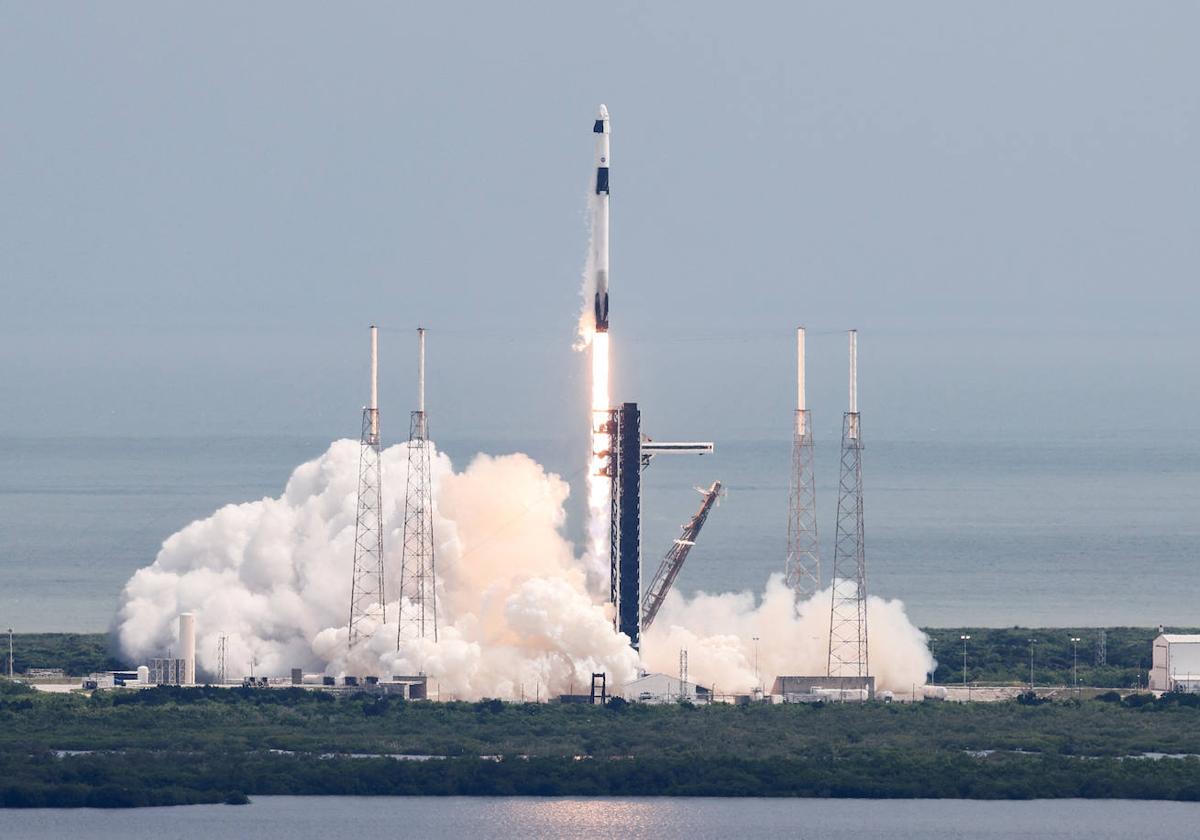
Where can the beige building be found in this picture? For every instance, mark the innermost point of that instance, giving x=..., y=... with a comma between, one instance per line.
x=1176, y=663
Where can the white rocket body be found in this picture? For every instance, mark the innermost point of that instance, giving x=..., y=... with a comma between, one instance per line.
x=600, y=228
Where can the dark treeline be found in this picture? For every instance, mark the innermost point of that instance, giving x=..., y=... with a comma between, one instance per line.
x=1001, y=655
x=132, y=779
x=177, y=745
x=78, y=654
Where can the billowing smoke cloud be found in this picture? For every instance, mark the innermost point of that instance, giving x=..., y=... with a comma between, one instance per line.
x=274, y=576
x=515, y=613
x=718, y=633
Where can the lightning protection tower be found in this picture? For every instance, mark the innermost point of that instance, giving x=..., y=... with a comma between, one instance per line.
x=803, y=567
x=848, y=612
x=222, y=657
x=367, y=610
x=418, y=581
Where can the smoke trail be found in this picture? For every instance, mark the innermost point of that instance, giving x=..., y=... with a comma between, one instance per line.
x=599, y=487
x=275, y=576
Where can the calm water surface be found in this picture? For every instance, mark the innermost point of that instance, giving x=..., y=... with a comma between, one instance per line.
x=1080, y=532
x=318, y=818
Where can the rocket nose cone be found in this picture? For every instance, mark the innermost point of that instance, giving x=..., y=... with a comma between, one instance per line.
x=602, y=114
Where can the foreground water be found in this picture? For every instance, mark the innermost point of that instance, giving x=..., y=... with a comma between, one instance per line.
x=301, y=818
x=1079, y=532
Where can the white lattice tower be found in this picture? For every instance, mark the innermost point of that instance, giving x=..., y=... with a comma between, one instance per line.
x=367, y=598
x=418, y=575
x=803, y=567
x=848, y=611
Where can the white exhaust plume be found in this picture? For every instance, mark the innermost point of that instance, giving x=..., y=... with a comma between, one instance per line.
x=793, y=639
x=271, y=575
x=520, y=620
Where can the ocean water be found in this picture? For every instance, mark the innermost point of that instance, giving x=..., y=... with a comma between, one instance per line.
x=1067, y=533
x=317, y=818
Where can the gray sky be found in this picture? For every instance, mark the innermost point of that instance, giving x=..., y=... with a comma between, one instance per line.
x=203, y=208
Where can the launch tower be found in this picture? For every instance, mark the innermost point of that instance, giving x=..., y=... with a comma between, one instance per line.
x=418, y=580
x=629, y=453
x=848, y=612
x=367, y=600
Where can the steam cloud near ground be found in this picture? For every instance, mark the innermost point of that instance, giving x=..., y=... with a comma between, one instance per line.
x=516, y=615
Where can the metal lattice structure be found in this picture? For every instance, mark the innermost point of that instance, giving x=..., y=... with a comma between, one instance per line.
x=629, y=453
x=803, y=566
x=683, y=674
x=848, y=610
x=222, y=660
x=1102, y=648
x=673, y=561
x=367, y=600
x=418, y=572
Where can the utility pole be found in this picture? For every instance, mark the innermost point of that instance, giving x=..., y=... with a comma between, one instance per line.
x=965, y=639
x=1032, y=642
x=1075, y=663
x=10, y=656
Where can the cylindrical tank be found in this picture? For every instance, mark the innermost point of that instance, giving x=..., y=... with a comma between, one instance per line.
x=143, y=675
x=187, y=647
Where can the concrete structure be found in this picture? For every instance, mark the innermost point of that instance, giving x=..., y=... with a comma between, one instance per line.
x=1176, y=663
x=810, y=689
x=187, y=648
x=663, y=688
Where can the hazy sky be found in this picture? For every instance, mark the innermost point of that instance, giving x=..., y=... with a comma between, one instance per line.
x=204, y=206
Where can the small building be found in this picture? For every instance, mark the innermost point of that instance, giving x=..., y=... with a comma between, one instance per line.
x=1175, y=663
x=810, y=689
x=663, y=688
x=45, y=673
x=168, y=671
x=411, y=687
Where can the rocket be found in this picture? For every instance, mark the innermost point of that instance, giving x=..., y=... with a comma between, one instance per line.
x=600, y=223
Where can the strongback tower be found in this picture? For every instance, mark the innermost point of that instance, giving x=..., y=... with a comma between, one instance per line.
x=803, y=568
x=418, y=578
x=628, y=454
x=629, y=522
x=848, y=612
x=367, y=609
